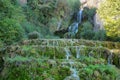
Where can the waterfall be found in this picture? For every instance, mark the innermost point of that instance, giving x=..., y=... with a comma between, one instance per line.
x=67, y=53
x=73, y=28
x=79, y=16
x=77, y=52
x=110, y=57
x=48, y=43
x=74, y=73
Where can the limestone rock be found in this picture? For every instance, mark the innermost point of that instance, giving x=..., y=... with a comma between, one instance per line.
x=98, y=23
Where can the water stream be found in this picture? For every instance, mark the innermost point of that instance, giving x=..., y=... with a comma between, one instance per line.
x=79, y=16
x=77, y=52
x=67, y=53
x=73, y=28
x=74, y=72
x=110, y=57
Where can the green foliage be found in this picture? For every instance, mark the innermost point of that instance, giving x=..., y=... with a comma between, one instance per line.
x=11, y=17
x=86, y=32
x=100, y=35
x=21, y=68
x=50, y=13
x=110, y=13
x=88, y=13
x=74, y=7
x=99, y=72
x=11, y=30
x=33, y=35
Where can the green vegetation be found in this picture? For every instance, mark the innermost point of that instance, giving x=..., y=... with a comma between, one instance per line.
x=110, y=13
x=18, y=22
x=31, y=48
x=10, y=22
x=42, y=18
x=87, y=31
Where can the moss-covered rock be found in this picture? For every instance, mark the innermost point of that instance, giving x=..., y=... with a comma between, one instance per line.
x=47, y=59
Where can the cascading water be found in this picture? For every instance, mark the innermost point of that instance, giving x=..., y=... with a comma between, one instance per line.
x=73, y=28
x=79, y=16
x=48, y=43
x=67, y=53
x=110, y=57
x=74, y=72
x=77, y=52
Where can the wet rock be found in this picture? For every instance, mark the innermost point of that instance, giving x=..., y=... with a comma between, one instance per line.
x=98, y=24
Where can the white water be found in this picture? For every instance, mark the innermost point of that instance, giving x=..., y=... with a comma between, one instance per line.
x=67, y=53
x=79, y=16
x=74, y=73
x=73, y=28
x=77, y=52
x=110, y=57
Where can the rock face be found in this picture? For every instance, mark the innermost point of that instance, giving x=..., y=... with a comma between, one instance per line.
x=91, y=3
x=98, y=23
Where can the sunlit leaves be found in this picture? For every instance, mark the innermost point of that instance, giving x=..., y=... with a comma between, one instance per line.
x=110, y=12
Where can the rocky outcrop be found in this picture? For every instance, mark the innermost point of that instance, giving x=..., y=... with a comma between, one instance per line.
x=91, y=3
x=98, y=23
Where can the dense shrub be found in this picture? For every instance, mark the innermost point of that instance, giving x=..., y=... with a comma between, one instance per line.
x=10, y=30
x=109, y=11
x=11, y=17
x=100, y=35
x=88, y=13
x=86, y=31
x=33, y=35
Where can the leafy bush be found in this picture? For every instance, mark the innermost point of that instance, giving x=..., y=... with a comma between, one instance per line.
x=33, y=35
x=29, y=27
x=87, y=31
x=100, y=35
x=88, y=13
x=109, y=11
x=10, y=31
x=11, y=16
x=74, y=5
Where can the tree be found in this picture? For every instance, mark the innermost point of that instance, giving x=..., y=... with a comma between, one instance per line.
x=87, y=31
x=109, y=11
x=11, y=18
